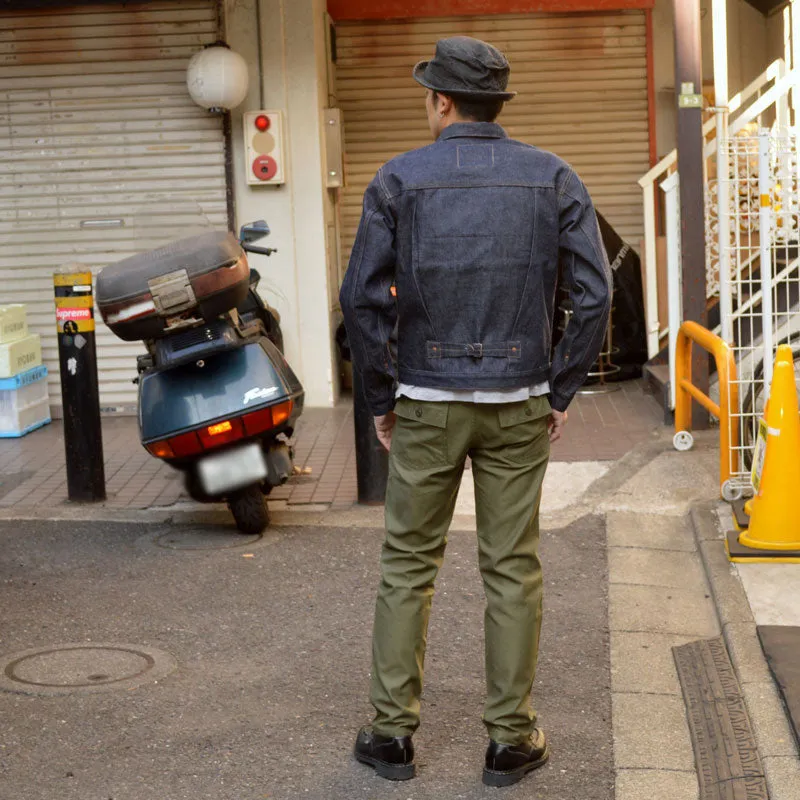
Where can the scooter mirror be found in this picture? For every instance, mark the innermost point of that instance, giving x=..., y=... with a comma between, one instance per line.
x=253, y=231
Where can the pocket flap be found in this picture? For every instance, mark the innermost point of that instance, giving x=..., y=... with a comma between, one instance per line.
x=427, y=413
x=526, y=411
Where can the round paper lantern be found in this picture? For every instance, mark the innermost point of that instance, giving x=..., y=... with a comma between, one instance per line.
x=217, y=78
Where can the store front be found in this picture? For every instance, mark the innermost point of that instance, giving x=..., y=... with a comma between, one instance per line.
x=582, y=79
x=104, y=152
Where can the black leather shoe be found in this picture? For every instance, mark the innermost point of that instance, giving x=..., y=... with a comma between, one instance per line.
x=391, y=757
x=507, y=764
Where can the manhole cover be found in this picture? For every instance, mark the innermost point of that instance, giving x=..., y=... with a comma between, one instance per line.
x=70, y=668
x=202, y=539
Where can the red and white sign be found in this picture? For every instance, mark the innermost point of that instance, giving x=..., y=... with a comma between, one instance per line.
x=73, y=313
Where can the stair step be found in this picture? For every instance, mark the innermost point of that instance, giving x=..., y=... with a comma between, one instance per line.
x=657, y=375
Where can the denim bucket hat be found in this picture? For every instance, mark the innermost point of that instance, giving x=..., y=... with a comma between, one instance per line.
x=466, y=67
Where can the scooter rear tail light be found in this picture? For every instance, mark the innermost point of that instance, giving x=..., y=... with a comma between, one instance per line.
x=257, y=421
x=281, y=413
x=160, y=449
x=187, y=444
x=221, y=433
x=267, y=418
x=229, y=430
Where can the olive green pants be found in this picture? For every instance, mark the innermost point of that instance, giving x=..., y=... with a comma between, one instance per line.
x=509, y=448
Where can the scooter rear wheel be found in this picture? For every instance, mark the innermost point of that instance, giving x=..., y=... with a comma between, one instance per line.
x=249, y=509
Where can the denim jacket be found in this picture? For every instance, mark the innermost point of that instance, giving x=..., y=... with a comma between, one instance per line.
x=471, y=231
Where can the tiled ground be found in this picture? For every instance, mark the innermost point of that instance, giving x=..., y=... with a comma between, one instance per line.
x=32, y=471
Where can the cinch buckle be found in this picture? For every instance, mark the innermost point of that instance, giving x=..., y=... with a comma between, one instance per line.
x=475, y=350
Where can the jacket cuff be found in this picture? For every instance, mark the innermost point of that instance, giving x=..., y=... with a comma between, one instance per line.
x=381, y=409
x=559, y=402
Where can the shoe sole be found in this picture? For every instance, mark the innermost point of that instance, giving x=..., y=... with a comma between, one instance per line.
x=499, y=779
x=392, y=772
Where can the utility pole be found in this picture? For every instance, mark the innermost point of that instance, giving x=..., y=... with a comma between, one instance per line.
x=689, y=87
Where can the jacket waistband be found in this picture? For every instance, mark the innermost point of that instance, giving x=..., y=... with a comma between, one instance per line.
x=474, y=350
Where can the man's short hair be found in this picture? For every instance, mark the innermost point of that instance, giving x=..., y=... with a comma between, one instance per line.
x=475, y=110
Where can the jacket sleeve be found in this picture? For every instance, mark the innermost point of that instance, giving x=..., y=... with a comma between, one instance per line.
x=586, y=272
x=369, y=309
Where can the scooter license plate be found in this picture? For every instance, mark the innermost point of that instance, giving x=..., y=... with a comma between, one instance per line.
x=231, y=470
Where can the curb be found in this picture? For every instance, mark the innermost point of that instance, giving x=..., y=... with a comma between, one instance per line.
x=768, y=717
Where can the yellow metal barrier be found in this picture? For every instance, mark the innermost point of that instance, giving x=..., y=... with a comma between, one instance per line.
x=689, y=334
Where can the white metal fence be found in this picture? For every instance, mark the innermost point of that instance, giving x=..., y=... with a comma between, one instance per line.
x=767, y=94
x=762, y=254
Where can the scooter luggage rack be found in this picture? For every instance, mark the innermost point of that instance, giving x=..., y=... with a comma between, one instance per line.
x=199, y=341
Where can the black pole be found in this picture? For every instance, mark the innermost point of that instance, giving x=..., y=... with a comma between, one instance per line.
x=689, y=84
x=77, y=355
x=372, y=461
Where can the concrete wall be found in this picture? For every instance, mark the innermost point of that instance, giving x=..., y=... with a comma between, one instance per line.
x=748, y=55
x=284, y=45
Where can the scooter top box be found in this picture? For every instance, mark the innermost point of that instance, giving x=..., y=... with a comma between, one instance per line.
x=148, y=295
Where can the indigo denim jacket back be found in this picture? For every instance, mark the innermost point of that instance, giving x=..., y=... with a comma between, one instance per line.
x=471, y=231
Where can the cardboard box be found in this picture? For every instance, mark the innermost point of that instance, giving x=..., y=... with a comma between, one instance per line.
x=20, y=356
x=13, y=323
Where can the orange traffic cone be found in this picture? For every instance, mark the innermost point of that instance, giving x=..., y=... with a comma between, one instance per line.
x=774, y=530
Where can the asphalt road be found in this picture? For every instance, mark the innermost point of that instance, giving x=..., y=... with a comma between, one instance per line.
x=272, y=643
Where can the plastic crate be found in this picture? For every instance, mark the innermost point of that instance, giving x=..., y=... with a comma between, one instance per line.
x=24, y=403
x=13, y=323
x=20, y=356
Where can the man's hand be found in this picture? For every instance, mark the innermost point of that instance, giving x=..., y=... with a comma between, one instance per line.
x=555, y=425
x=383, y=428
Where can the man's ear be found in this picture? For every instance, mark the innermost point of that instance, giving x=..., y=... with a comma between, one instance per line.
x=445, y=105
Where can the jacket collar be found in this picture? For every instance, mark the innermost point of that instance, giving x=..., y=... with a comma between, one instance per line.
x=473, y=130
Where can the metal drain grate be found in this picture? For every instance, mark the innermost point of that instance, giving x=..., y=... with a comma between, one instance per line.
x=728, y=765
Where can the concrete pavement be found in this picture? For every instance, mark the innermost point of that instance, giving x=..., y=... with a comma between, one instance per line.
x=271, y=640
x=272, y=644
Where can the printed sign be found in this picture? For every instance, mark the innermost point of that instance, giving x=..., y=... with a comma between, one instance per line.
x=73, y=313
x=759, y=453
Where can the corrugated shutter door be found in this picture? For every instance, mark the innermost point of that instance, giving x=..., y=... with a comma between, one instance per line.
x=582, y=83
x=97, y=129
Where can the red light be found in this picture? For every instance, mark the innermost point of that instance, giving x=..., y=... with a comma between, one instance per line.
x=229, y=430
x=257, y=421
x=160, y=449
x=224, y=432
x=262, y=122
x=282, y=413
x=187, y=444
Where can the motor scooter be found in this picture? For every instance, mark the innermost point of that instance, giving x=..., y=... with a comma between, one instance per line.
x=217, y=399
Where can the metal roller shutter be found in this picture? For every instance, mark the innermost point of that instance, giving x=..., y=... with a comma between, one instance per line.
x=582, y=83
x=100, y=140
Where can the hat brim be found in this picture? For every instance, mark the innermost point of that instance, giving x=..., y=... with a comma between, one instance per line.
x=419, y=77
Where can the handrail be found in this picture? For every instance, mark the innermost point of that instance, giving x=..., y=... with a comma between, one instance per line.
x=779, y=88
x=756, y=297
x=776, y=73
x=772, y=72
x=691, y=333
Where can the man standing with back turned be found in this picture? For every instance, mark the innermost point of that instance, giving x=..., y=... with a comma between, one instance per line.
x=471, y=231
